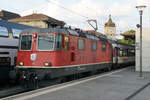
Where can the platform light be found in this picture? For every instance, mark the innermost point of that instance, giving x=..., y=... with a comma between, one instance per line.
x=140, y=8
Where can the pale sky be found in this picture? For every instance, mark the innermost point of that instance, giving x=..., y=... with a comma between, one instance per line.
x=77, y=12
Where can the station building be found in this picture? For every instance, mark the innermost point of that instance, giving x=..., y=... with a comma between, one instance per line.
x=145, y=49
x=38, y=20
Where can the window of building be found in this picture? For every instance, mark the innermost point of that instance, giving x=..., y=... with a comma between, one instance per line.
x=3, y=31
x=103, y=47
x=94, y=45
x=81, y=44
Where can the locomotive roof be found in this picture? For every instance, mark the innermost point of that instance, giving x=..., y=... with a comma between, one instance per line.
x=65, y=31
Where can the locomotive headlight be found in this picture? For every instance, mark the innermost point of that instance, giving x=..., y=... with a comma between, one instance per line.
x=21, y=63
x=47, y=64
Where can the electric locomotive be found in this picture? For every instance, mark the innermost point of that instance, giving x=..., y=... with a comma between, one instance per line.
x=57, y=52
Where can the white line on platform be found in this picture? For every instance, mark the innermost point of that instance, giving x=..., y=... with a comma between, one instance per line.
x=57, y=88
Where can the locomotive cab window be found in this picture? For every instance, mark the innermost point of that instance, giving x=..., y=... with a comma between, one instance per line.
x=45, y=42
x=81, y=44
x=3, y=31
x=26, y=42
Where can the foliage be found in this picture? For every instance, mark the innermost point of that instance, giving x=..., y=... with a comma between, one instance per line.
x=128, y=40
x=130, y=31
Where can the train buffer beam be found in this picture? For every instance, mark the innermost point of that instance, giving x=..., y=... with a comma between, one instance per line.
x=122, y=84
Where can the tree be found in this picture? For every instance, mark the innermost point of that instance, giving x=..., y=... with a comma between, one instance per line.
x=128, y=37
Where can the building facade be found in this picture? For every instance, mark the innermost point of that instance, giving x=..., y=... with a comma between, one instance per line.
x=110, y=29
x=39, y=20
x=145, y=49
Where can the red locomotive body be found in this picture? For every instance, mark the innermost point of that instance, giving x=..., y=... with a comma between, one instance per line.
x=61, y=52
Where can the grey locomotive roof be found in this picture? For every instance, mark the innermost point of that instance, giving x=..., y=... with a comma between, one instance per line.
x=65, y=31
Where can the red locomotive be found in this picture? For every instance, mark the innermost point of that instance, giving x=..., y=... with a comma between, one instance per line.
x=58, y=52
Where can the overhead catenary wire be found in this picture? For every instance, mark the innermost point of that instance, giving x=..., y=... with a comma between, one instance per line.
x=74, y=12
x=79, y=14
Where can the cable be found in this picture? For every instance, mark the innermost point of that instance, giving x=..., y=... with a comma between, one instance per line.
x=68, y=10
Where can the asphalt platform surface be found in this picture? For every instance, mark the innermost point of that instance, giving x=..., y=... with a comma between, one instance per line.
x=122, y=84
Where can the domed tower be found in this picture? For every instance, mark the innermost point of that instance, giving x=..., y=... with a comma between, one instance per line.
x=110, y=29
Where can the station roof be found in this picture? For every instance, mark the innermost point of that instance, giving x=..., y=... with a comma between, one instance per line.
x=6, y=15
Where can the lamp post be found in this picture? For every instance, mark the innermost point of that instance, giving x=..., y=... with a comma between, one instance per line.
x=140, y=8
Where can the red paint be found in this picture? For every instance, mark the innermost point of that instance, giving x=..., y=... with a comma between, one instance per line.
x=64, y=57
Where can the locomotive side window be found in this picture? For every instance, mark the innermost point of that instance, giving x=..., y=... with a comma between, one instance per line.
x=66, y=43
x=58, y=42
x=103, y=47
x=3, y=31
x=81, y=44
x=45, y=42
x=26, y=42
x=94, y=45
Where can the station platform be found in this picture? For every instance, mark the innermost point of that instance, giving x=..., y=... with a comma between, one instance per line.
x=123, y=84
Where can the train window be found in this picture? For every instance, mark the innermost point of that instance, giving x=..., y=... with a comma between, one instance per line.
x=120, y=53
x=131, y=52
x=103, y=47
x=16, y=32
x=66, y=43
x=58, y=42
x=45, y=42
x=94, y=45
x=123, y=53
x=3, y=31
x=26, y=42
x=81, y=44
x=5, y=61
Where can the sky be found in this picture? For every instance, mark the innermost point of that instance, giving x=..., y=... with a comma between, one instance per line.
x=76, y=12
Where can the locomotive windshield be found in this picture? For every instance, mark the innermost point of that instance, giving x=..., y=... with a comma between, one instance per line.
x=26, y=41
x=45, y=42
